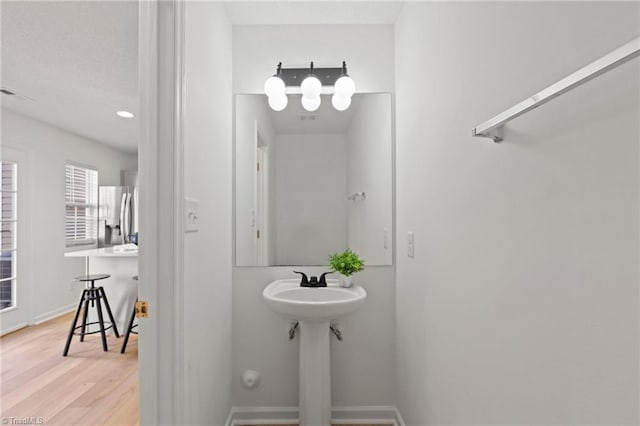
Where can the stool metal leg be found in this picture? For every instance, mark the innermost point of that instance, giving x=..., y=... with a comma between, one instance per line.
x=92, y=287
x=100, y=320
x=73, y=326
x=106, y=304
x=84, y=317
x=128, y=330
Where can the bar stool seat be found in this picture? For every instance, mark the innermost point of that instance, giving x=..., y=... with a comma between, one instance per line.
x=93, y=277
x=130, y=325
x=97, y=297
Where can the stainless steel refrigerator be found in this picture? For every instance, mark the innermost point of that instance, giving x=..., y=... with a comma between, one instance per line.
x=117, y=215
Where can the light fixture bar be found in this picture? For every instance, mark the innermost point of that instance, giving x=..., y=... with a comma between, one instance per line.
x=295, y=76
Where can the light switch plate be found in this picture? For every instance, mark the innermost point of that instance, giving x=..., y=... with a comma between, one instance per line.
x=191, y=215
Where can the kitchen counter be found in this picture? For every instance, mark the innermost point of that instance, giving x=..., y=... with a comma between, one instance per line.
x=121, y=262
x=125, y=250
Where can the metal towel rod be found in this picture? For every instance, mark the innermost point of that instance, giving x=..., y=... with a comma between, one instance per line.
x=493, y=128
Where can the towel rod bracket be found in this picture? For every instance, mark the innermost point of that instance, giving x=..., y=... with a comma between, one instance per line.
x=494, y=134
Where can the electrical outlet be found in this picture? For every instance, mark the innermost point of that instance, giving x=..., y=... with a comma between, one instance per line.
x=410, y=245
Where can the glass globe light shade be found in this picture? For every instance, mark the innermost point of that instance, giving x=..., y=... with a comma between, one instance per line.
x=345, y=87
x=274, y=86
x=340, y=103
x=278, y=103
x=311, y=104
x=311, y=87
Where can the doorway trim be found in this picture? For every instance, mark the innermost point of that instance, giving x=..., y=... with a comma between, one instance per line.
x=160, y=76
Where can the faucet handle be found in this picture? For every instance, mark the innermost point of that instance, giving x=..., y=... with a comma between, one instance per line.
x=304, y=279
x=323, y=279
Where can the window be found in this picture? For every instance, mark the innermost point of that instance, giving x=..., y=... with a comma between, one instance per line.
x=8, y=222
x=81, y=188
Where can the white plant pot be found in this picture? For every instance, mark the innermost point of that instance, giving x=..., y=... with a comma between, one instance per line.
x=346, y=280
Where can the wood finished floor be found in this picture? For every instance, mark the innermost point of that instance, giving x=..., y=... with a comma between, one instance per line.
x=88, y=387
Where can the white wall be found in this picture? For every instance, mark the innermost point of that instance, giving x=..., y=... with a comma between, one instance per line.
x=521, y=304
x=259, y=335
x=207, y=253
x=311, y=212
x=370, y=154
x=47, y=272
x=367, y=49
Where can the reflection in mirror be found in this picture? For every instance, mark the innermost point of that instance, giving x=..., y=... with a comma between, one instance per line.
x=308, y=184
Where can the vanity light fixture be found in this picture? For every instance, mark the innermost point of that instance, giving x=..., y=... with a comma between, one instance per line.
x=311, y=88
x=344, y=88
x=310, y=82
x=275, y=89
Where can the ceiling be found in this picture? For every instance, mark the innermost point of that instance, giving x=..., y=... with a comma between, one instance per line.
x=74, y=64
x=313, y=12
x=296, y=120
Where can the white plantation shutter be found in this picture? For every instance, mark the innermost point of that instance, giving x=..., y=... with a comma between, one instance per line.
x=81, y=198
x=8, y=228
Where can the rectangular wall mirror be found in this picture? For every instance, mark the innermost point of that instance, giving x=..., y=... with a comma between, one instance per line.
x=308, y=184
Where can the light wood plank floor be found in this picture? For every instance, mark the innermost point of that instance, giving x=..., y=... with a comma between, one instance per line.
x=88, y=387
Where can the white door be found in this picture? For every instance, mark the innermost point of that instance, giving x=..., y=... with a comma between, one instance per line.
x=14, y=292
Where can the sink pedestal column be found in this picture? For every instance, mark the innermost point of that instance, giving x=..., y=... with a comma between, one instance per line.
x=315, y=374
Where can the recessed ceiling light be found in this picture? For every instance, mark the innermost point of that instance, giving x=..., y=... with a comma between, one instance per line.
x=125, y=114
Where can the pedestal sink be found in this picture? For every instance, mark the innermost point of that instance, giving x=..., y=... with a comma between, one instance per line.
x=313, y=308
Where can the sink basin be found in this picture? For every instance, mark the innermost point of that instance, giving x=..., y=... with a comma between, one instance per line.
x=313, y=304
x=313, y=308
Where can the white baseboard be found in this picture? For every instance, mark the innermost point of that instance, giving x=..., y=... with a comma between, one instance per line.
x=54, y=314
x=262, y=415
x=14, y=328
x=372, y=415
x=42, y=318
x=399, y=418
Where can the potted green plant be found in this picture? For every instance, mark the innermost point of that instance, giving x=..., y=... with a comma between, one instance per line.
x=346, y=263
